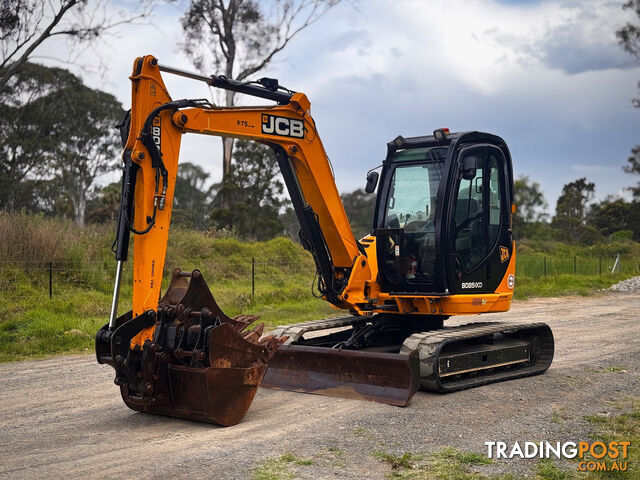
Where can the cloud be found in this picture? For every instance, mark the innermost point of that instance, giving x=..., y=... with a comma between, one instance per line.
x=594, y=169
x=574, y=37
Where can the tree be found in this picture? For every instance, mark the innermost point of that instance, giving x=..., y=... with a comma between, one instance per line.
x=571, y=210
x=82, y=122
x=239, y=38
x=59, y=134
x=529, y=200
x=25, y=146
x=191, y=199
x=614, y=215
x=530, y=208
x=253, y=190
x=634, y=167
x=359, y=206
x=104, y=204
x=629, y=36
x=572, y=203
x=27, y=24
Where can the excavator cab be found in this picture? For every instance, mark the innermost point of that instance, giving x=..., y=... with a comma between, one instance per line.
x=443, y=219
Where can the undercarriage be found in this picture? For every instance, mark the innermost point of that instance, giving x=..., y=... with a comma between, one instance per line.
x=424, y=353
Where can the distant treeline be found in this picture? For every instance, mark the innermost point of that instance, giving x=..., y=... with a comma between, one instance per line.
x=57, y=140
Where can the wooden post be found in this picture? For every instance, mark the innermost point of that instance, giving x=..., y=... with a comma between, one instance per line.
x=253, y=277
x=599, y=265
x=50, y=280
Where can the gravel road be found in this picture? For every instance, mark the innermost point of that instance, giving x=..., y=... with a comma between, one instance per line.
x=63, y=417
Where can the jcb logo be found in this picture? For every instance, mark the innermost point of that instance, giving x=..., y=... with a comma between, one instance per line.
x=504, y=254
x=282, y=126
x=155, y=131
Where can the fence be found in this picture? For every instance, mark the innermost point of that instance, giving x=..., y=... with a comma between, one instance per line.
x=55, y=278
x=247, y=278
x=543, y=265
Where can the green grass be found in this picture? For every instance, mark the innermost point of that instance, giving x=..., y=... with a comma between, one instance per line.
x=32, y=325
x=446, y=464
x=617, y=428
x=397, y=462
x=279, y=468
x=453, y=463
x=566, y=284
x=547, y=470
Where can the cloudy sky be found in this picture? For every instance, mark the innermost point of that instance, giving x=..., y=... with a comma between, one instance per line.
x=547, y=76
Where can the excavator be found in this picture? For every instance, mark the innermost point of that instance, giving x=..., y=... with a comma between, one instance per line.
x=440, y=245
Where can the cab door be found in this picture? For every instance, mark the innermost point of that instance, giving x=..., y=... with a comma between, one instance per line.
x=478, y=234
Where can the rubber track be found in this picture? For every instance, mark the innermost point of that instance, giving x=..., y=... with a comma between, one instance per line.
x=297, y=330
x=429, y=345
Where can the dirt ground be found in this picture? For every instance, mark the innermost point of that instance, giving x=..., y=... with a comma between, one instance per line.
x=63, y=417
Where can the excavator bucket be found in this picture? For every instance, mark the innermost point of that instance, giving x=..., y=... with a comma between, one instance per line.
x=200, y=365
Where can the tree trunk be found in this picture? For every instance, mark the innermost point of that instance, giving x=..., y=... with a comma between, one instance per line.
x=79, y=206
x=227, y=152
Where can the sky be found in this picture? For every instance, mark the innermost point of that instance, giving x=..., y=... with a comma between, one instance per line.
x=547, y=76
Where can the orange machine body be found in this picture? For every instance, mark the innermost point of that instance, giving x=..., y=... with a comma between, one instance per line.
x=314, y=178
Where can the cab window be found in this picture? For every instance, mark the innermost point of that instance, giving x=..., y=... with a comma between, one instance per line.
x=478, y=212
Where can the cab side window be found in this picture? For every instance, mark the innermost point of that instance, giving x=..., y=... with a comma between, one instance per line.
x=495, y=205
x=477, y=212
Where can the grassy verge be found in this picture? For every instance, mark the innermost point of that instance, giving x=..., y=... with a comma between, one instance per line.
x=33, y=325
x=567, y=284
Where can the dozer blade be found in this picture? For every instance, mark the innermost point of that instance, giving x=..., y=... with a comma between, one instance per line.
x=200, y=364
x=389, y=378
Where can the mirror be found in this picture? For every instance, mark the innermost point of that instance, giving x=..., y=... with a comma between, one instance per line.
x=469, y=165
x=372, y=182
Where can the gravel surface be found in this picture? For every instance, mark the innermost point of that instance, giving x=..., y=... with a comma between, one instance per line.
x=630, y=285
x=63, y=417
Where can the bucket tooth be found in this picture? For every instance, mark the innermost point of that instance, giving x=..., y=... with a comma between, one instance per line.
x=228, y=349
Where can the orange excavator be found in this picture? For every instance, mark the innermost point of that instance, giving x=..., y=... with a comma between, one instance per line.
x=440, y=245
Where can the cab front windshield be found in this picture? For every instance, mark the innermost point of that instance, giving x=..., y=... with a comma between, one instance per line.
x=411, y=206
x=411, y=203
